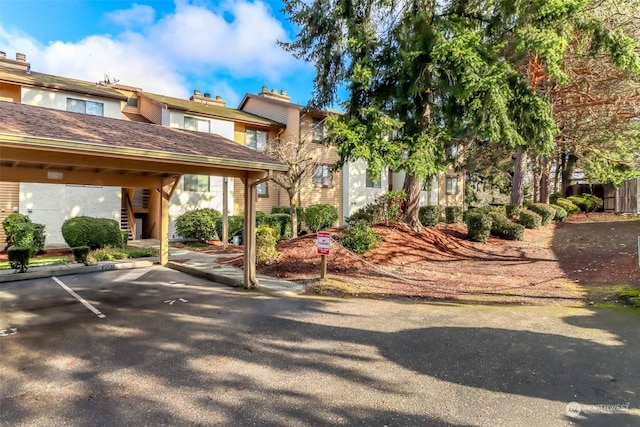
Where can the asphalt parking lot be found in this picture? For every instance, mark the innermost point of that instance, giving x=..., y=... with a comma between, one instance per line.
x=163, y=348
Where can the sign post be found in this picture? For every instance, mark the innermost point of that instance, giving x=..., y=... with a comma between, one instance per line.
x=324, y=244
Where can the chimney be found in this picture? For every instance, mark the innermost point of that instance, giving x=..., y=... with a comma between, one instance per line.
x=282, y=96
x=20, y=63
x=206, y=99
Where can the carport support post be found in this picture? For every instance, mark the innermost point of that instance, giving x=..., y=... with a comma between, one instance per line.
x=250, y=195
x=166, y=192
x=225, y=212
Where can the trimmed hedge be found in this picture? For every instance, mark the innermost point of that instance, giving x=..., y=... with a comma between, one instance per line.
x=453, y=214
x=93, y=232
x=502, y=227
x=478, y=226
x=266, y=238
x=81, y=254
x=568, y=206
x=19, y=258
x=321, y=216
x=198, y=224
x=9, y=224
x=281, y=222
x=429, y=215
x=360, y=238
x=561, y=214
x=530, y=219
x=513, y=210
x=545, y=211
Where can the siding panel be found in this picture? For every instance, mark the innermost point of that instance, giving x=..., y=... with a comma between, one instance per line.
x=9, y=199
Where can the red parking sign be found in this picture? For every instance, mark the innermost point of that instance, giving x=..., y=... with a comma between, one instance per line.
x=324, y=242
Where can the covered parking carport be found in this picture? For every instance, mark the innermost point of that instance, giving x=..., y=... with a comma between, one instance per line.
x=42, y=145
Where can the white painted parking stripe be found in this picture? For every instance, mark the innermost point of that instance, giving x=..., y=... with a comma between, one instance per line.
x=79, y=298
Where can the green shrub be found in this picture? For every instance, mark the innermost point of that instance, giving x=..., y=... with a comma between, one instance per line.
x=280, y=222
x=9, y=224
x=199, y=224
x=386, y=208
x=512, y=210
x=362, y=214
x=93, y=232
x=81, y=254
x=108, y=253
x=260, y=218
x=360, y=238
x=236, y=224
x=502, y=227
x=561, y=214
x=319, y=217
x=266, y=238
x=19, y=258
x=553, y=198
x=478, y=226
x=530, y=219
x=594, y=202
x=568, y=206
x=545, y=211
x=581, y=202
x=141, y=252
x=453, y=214
x=429, y=215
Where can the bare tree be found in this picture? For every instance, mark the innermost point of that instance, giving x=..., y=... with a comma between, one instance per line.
x=299, y=153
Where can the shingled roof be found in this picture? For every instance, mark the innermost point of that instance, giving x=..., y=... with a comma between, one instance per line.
x=95, y=133
x=49, y=81
x=210, y=110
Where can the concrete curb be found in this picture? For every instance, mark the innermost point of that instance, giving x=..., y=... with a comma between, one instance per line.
x=66, y=271
x=214, y=277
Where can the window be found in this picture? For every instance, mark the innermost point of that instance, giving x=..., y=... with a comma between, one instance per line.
x=197, y=183
x=452, y=185
x=318, y=130
x=322, y=176
x=256, y=139
x=373, y=181
x=263, y=190
x=132, y=102
x=430, y=184
x=200, y=125
x=85, y=107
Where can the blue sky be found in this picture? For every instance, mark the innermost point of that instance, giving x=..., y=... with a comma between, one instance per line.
x=227, y=48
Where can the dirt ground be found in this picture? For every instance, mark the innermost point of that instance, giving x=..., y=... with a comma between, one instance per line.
x=557, y=264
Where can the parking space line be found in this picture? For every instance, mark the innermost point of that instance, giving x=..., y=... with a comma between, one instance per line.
x=79, y=298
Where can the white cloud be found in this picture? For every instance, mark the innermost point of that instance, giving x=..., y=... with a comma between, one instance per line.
x=194, y=42
x=136, y=15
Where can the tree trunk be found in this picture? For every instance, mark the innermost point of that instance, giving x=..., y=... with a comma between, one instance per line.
x=411, y=205
x=567, y=172
x=544, y=180
x=293, y=209
x=536, y=179
x=517, y=183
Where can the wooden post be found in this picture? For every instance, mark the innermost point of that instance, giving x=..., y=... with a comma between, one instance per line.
x=323, y=267
x=225, y=212
x=167, y=189
x=250, y=280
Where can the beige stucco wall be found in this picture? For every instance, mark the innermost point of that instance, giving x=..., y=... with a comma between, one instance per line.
x=58, y=100
x=356, y=193
x=52, y=204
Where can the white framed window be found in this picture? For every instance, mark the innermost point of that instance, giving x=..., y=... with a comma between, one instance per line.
x=195, y=183
x=263, y=189
x=374, y=181
x=200, y=125
x=452, y=152
x=322, y=175
x=452, y=185
x=318, y=130
x=85, y=107
x=256, y=139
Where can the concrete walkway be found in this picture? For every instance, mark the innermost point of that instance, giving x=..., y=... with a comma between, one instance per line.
x=191, y=262
x=206, y=266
